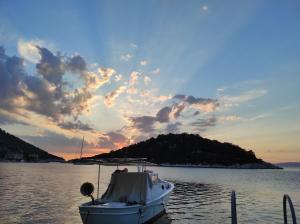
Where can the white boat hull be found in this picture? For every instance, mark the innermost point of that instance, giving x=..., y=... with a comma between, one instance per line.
x=134, y=214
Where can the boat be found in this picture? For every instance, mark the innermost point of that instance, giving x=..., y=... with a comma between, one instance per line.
x=81, y=160
x=131, y=198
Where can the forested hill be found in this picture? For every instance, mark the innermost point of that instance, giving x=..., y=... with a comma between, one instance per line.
x=188, y=149
x=13, y=148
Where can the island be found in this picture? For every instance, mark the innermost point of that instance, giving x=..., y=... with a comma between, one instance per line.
x=15, y=149
x=188, y=150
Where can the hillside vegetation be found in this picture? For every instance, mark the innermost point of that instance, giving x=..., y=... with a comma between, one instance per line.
x=187, y=149
x=14, y=148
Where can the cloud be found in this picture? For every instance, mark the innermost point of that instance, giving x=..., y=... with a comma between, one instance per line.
x=156, y=71
x=163, y=115
x=9, y=119
x=204, y=8
x=230, y=101
x=56, y=143
x=173, y=127
x=47, y=93
x=118, y=77
x=203, y=104
x=102, y=76
x=126, y=57
x=51, y=66
x=229, y=118
x=132, y=83
x=78, y=125
x=143, y=123
x=167, y=114
x=143, y=62
x=133, y=45
x=113, y=140
x=76, y=64
x=29, y=51
x=146, y=123
x=177, y=109
x=110, y=98
x=133, y=78
x=147, y=80
x=205, y=123
x=260, y=116
x=164, y=97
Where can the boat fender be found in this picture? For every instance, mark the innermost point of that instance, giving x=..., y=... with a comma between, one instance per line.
x=163, y=187
x=87, y=189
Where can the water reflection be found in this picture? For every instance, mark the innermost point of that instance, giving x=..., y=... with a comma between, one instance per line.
x=49, y=193
x=193, y=203
x=165, y=219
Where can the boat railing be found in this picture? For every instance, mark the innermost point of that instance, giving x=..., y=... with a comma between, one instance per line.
x=286, y=198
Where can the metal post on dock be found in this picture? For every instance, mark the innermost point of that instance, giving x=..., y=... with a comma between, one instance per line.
x=233, y=208
x=287, y=198
x=98, y=181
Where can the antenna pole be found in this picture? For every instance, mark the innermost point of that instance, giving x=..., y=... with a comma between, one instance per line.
x=81, y=147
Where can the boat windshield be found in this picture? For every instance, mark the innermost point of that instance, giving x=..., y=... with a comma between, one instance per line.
x=154, y=178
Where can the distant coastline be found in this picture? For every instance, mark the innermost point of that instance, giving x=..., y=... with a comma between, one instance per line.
x=215, y=166
x=234, y=166
x=39, y=161
x=288, y=164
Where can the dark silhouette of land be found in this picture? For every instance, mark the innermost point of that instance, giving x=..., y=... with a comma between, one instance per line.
x=189, y=149
x=13, y=148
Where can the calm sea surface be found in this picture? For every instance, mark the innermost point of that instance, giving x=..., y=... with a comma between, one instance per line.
x=49, y=193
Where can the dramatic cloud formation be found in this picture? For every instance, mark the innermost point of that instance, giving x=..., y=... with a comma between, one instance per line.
x=47, y=93
x=169, y=114
x=63, y=90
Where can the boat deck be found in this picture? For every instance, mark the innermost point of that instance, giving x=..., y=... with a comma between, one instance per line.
x=111, y=205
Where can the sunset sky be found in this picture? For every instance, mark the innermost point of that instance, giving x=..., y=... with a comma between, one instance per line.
x=119, y=72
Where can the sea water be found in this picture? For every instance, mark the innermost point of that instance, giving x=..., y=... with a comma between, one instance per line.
x=49, y=193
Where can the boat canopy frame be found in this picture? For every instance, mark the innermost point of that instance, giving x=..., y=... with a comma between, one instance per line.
x=140, y=162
